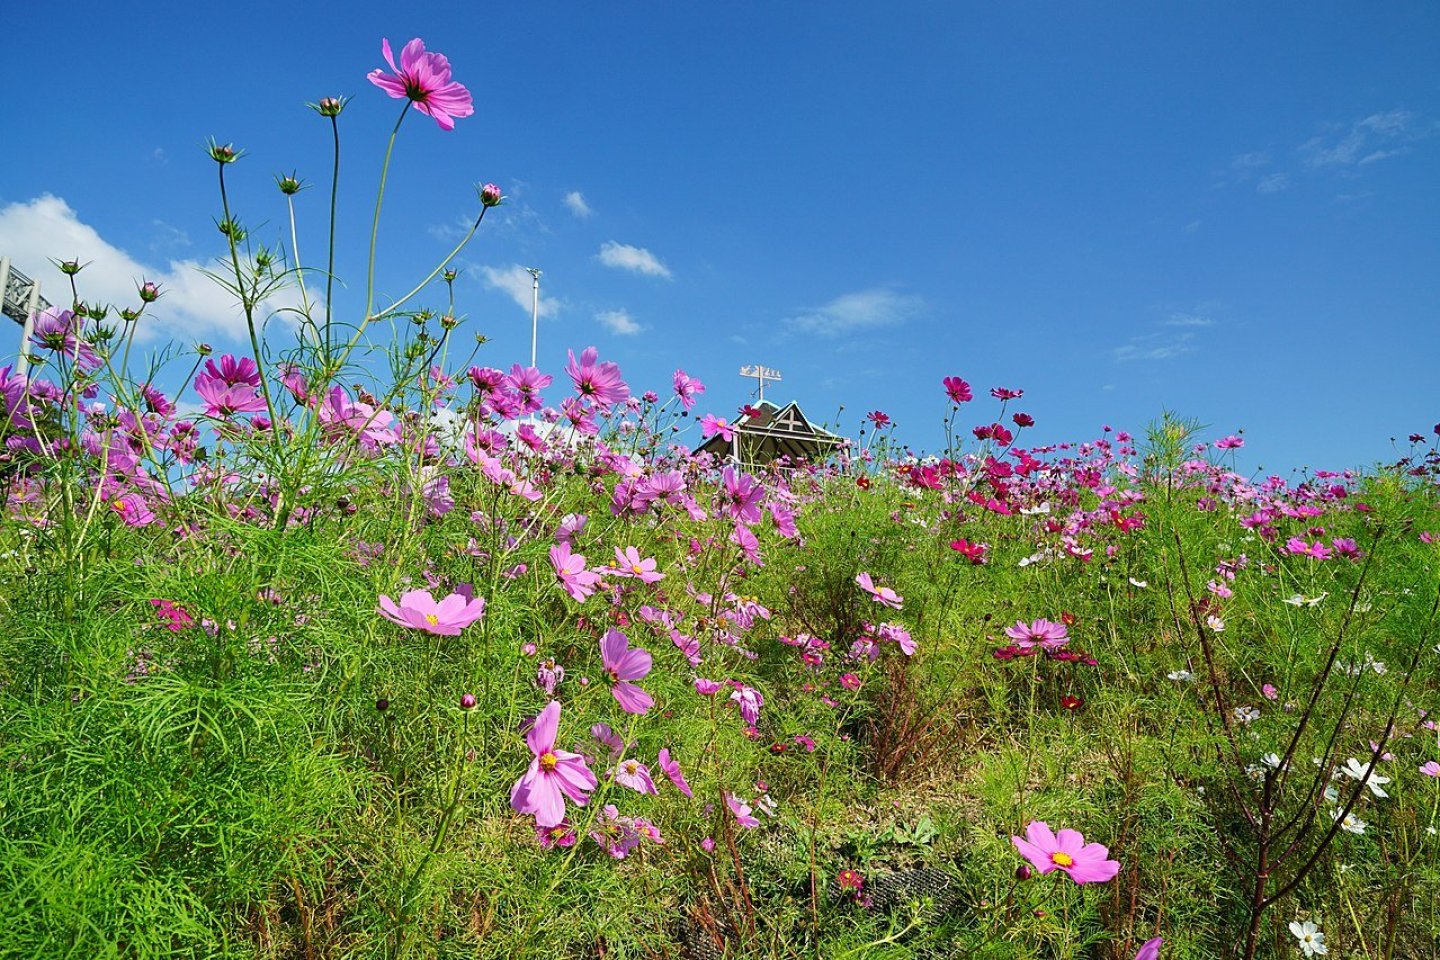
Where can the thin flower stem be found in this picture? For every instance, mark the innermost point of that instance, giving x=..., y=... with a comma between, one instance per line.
x=330, y=270
x=375, y=224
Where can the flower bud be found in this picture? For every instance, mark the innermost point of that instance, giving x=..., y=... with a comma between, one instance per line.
x=450, y=275
x=223, y=152
x=490, y=195
x=289, y=185
x=149, y=292
x=97, y=312
x=203, y=349
x=467, y=702
x=382, y=704
x=129, y=316
x=1023, y=872
x=448, y=322
x=330, y=106
x=70, y=267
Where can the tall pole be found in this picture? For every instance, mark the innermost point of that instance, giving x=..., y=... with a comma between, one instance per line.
x=534, y=310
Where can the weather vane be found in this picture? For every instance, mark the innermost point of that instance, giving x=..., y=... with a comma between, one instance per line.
x=761, y=374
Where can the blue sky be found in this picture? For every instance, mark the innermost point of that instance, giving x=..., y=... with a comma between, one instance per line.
x=1228, y=210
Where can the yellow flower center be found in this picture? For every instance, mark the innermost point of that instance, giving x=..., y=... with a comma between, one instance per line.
x=118, y=506
x=1062, y=859
x=548, y=760
x=636, y=568
x=431, y=619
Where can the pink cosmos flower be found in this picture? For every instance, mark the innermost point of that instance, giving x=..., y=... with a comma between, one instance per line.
x=741, y=810
x=707, y=688
x=597, y=381
x=686, y=387
x=1431, y=769
x=749, y=700
x=623, y=664
x=628, y=563
x=553, y=774
x=1231, y=442
x=418, y=610
x=1067, y=851
x=881, y=595
x=233, y=371
x=672, y=770
x=59, y=330
x=425, y=79
x=224, y=400
x=1151, y=950
x=570, y=569
x=635, y=775
x=958, y=390
x=133, y=510
x=1041, y=632
x=740, y=496
x=711, y=425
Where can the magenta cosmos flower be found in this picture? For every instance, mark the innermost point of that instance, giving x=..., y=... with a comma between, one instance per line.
x=958, y=390
x=1151, y=950
x=881, y=595
x=553, y=774
x=596, y=380
x=624, y=663
x=629, y=563
x=1041, y=632
x=420, y=611
x=425, y=79
x=1067, y=851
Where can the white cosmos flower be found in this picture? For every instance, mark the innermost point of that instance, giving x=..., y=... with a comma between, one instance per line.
x=1302, y=601
x=1215, y=623
x=1351, y=823
x=1355, y=770
x=1185, y=676
x=1247, y=714
x=1139, y=584
x=1312, y=941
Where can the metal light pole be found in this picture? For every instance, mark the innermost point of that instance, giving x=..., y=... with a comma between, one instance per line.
x=534, y=310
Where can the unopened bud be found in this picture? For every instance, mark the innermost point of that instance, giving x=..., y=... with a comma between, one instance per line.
x=450, y=275
x=129, y=316
x=1022, y=872
x=289, y=185
x=223, y=152
x=203, y=349
x=490, y=195
x=467, y=702
x=330, y=106
x=149, y=292
x=70, y=267
x=448, y=322
x=98, y=312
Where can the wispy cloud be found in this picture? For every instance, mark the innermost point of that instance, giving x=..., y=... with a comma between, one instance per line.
x=1365, y=141
x=575, y=203
x=1274, y=183
x=618, y=322
x=622, y=256
x=515, y=282
x=854, y=312
x=192, y=306
x=1187, y=320
x=1155, y=346
x=1250, y=161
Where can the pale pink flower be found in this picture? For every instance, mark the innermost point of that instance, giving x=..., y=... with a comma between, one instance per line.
x=635, y=775
x=418, y=610
x=623, y=664
x=1431, y=769
x=1041, y=632
x=881, y=595
x=553, y=774
x=570, y=569
x=672, y=770
x=628, y=563
x=741, y=810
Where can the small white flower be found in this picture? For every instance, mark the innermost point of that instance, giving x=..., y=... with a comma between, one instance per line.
x=1351, y=823
x=1312, y=941
x=1355, y=770
x=1247, y=714
x=1215, y=623
x=1271, y=760
x=1184, y=676
x=1139, y=584
x=1043, y=508
x=1299, y=600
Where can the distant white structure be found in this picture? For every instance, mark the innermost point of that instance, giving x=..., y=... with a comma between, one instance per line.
x=21, y=302
x=761, y=373
x=534, y=310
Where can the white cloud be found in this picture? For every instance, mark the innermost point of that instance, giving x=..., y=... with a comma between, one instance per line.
x=1362, y=142
x=1188, y=320
x=515, y=282
x=618, y=322
x=1155, y=346
x=853, y=312
x=1250, y=161
x=1274, y=183
x=622, y=256
x=575, y=202
x=191, y=306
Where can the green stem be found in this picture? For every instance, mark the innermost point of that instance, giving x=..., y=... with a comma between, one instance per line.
x=375, y=224
x=330, y=270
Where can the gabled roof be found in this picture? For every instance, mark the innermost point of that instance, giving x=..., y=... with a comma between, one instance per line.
x=772, y=432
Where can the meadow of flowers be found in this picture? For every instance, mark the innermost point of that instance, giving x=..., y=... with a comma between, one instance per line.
x=360, y=642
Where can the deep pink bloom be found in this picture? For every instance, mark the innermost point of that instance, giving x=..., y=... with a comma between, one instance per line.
x=672, y=770
x=623, y=664
x=879, y=418
x=1041, y=632
x=1431, y=769
x=553, y=774
x=570, y=569
x=1231, y=442
x=740, y=495
x=1067, y=851
x=974, y=552
x=133, y=510
x=234, y=371
x=418, y=610
x=958, y=390
x=425, y=79
x=881, y=595
x=59, y=330
x=224, y=400
x=1151, y=950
